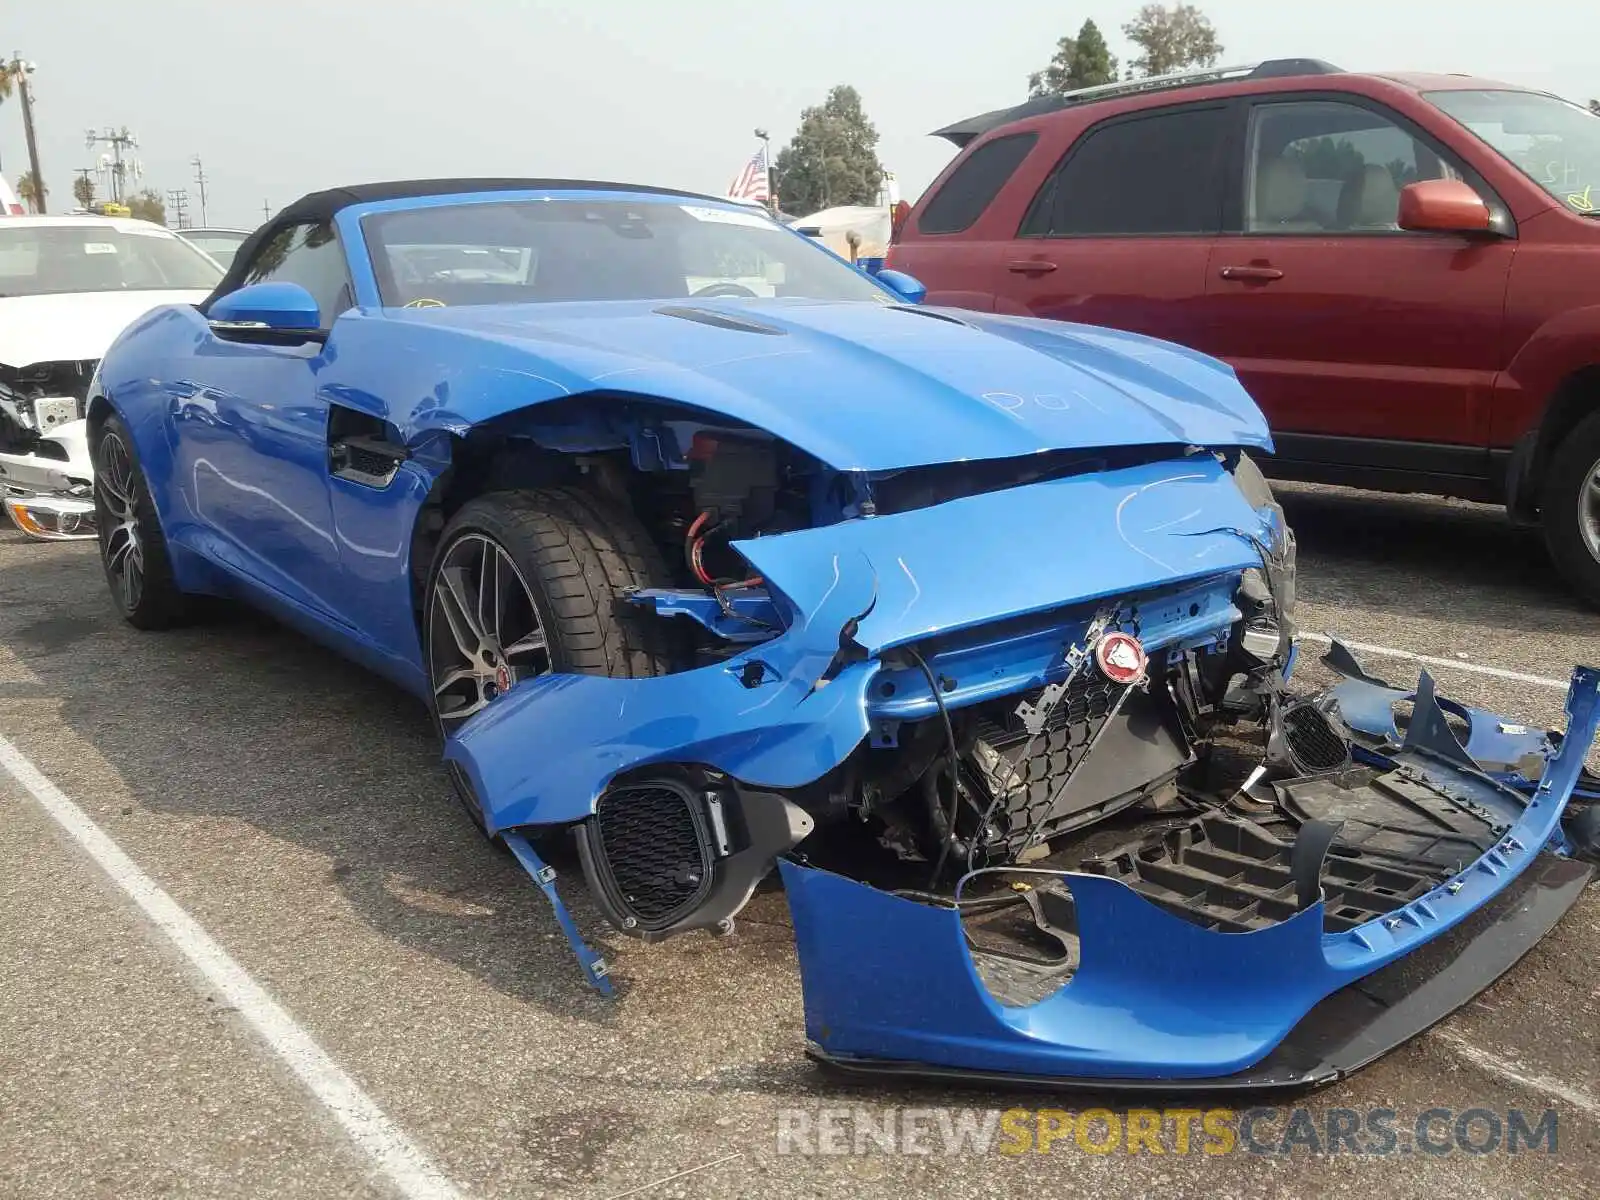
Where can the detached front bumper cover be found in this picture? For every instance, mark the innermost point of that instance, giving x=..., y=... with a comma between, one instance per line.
x=891, y=987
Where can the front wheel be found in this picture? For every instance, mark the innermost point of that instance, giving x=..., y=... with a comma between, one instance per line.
x=133, y=550
x=1570, y=509
x=530, y=582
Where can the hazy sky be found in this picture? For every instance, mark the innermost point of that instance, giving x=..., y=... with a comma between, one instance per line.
x=281, y=97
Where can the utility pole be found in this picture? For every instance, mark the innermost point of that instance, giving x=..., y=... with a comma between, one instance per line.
x=178, y=202
x=84, y=173
x=200, y=181
x=119, y=140
x=19, y=70
x=265, y=210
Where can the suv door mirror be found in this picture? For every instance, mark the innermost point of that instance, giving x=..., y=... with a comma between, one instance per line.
x=1442, y=206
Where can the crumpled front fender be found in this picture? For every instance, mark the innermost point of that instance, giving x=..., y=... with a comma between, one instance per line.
x=889, y=980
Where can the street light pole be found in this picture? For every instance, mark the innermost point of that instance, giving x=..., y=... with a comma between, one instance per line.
x=20, y=71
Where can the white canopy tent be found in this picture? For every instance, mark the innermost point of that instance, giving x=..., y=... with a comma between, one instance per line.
x=833, y=226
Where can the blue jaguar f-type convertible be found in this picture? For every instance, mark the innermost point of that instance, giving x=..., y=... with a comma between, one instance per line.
x=712, y=554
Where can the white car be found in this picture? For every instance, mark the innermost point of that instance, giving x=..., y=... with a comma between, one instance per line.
x=68, y=286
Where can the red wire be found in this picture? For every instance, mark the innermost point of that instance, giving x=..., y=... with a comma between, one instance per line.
x=696, y=566
x=696, y=547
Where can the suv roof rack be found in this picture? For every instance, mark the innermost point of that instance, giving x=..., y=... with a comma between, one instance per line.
x=963, y=132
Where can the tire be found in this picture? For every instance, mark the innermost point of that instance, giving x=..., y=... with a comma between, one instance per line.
x=573, y=555
x=1569, y=509
x=133, y=550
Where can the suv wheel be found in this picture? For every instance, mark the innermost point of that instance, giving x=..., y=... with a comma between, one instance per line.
x=1570, y=509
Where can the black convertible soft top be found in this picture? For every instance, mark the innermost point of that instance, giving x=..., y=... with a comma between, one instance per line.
x=319, y=207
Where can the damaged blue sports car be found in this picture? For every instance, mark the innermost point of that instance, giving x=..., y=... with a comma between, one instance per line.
x=715, y=557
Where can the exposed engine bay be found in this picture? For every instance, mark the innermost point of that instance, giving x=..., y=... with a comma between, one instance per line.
x=45, y=470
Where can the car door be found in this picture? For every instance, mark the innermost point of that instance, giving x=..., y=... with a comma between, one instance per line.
x=1121, y=230
x=1351, y=333
x=252, y=433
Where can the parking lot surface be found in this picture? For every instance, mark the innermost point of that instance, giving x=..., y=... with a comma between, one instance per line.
x=292, y=806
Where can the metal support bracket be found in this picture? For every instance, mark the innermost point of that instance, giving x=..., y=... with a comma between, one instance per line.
x=594, y=967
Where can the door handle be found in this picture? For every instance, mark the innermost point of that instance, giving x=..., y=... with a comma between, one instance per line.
x=1031, y=266
x=1252, y=274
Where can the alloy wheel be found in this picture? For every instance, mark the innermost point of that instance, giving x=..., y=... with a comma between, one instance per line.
x=1589, y=510
x=484, y=632
x=120, y=544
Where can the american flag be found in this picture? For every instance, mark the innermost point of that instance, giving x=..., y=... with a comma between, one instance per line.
x=751, y=184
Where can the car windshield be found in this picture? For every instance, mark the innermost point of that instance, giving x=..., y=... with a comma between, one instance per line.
x=1556, y=143
x=220, y=246
x=544, y=250
x=38, y=260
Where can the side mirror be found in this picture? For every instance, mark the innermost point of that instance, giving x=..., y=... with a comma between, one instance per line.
x=1443, y=206
x=277, y=307
x=912, y=291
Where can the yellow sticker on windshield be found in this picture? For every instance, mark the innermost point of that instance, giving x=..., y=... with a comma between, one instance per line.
x=424, y=302
x=1583, y=201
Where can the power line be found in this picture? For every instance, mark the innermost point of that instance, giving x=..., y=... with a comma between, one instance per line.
x=178, y=202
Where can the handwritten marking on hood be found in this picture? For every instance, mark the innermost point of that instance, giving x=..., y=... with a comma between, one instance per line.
x=916, y=593
x=1133, y=495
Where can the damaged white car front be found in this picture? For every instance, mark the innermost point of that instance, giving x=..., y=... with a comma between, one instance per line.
x=68, y=286
x=46, y=477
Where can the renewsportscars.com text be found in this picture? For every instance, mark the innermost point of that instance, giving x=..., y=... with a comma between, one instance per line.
x=1176, y=1131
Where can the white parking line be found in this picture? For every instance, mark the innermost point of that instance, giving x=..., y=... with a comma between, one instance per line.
x=410, y=1170
x=1430, y=660
x=1513, y=1073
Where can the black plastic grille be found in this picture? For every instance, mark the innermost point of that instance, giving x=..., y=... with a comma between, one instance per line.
x=660, y=865
x=1034, y=768
x=1312, y=740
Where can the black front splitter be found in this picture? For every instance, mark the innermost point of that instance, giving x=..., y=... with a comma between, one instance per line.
x=1349, y=1029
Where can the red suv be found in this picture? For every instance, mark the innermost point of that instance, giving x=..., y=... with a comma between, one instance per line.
x=1404, y=270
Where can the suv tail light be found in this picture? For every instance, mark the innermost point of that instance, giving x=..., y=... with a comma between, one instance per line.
x=898, y=216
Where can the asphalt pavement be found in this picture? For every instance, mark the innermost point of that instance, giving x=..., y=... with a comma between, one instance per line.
x=292, y=806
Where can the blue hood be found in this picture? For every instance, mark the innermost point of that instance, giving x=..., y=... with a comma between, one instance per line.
x=861, y=386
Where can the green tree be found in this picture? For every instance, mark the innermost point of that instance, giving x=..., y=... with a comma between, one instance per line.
x=31, y=191
x=1170, y=39
x=1079, y=62
x=832, y=158
x=148, y=206
x=83, y=191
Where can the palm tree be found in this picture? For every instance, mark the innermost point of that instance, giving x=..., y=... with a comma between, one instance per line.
x=32, y=191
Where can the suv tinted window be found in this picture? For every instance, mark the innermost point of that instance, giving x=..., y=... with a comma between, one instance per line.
x=1321, y=166
x=974, y=183
x=310, y=256
x=1155, y=174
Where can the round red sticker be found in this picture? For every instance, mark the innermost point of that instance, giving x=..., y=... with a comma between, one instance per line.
x=1120, y=657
